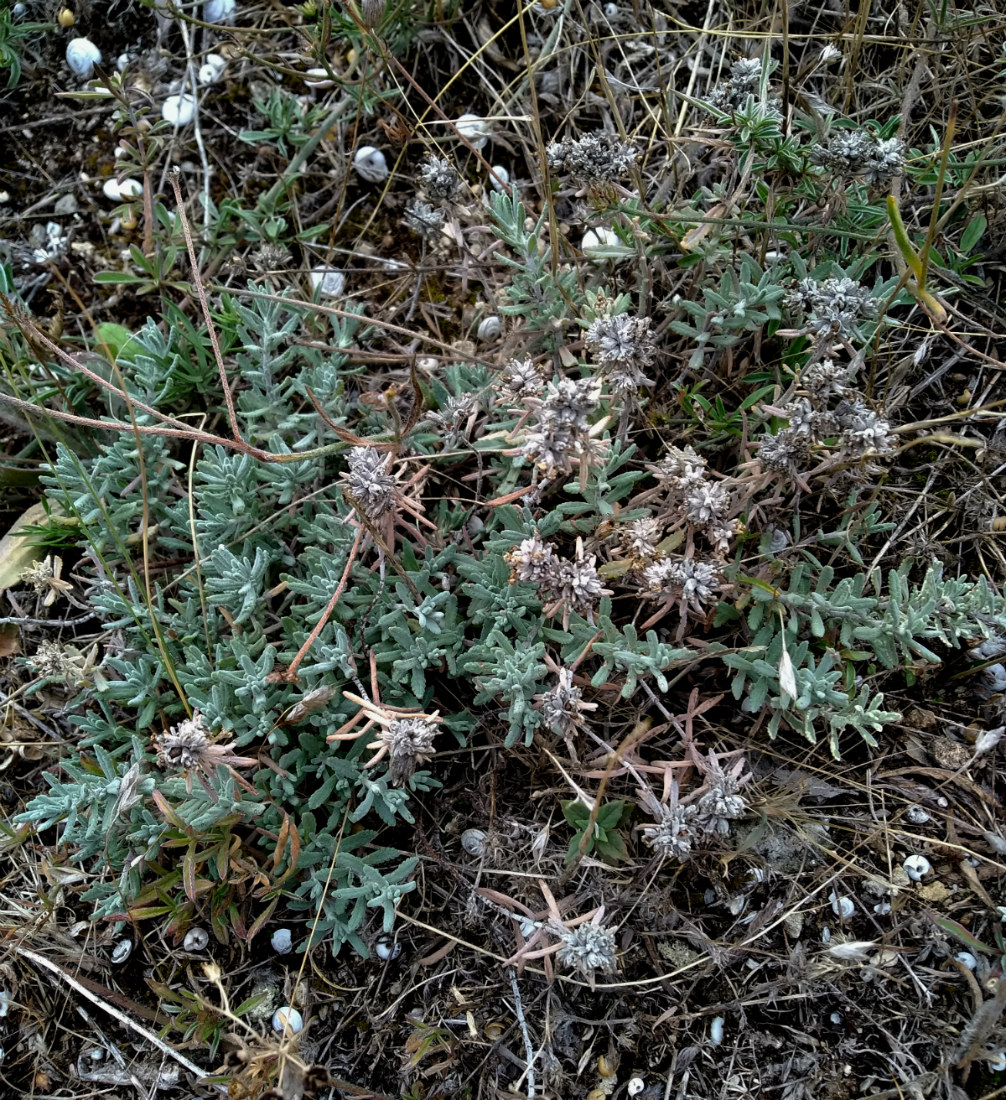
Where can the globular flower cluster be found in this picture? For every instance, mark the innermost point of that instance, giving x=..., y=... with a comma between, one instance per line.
x=860, y=430
x=439, y=179
x=678, y=825
x=369, y=481
x=703, y=504
x=563, y=707
x=457, y=410
x=640, y=538
x=588, y=949
x=826, y=378
x=692, y=582
x=594, y=158
x=519, y=380
x=785, y=452
x=572, y=585
x=561, y=439
x=422, y=218
x=673, y=833
x=860, y=154
x=623, y=347
x=721, y=804
x=187, y=748
x=744, y=81
x=833, y=306
x=410, y=743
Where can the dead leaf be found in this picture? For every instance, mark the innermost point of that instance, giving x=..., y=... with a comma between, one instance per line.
x=16, y=552
x=10, y=640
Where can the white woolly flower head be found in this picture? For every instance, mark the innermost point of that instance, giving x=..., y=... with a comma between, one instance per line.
x=589, y=949
x=369, y=481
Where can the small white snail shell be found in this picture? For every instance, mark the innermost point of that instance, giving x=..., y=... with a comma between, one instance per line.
x=490, y=328
x=635, y=1086
x=475, y=129
x=500, y=178
x=318, y=78
x=716, y=1031
x=387, y=949
x=121, y=190
x=327, y=282
x=218, y=11
x=196, y=939
x=965, y=958
x=179, y=110
x=82, y=55
x=917, y=815
x=122, y=950
x=997, y=1061
x=212, y=69
x=370, y=164
x=474, y=842
x=843, y=907
x=917, y=867
x=282, y=941
x=287, y=1019
x=595, y=241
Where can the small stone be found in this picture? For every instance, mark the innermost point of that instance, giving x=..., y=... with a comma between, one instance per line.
x=65, y=205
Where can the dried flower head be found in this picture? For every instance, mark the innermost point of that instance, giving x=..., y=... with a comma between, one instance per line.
x=588, y=949
x=624, y=348
x=826, y=378
x=863, y=432
x=681, y=467
x=519, y=380
x=834, y=306
x=640, y=538
x=561, y=438
x=369, y=481
x=410, y=743
x=859, y=153
x=783, y=452
x=567, y=585
x=563, y=707
x=594, y=158
x=45, y=578
x=440, y=179
x=423, y=218
x=721, y=802
x=578, y=585
x=672, y=835
x=692, y=581
x=187, y=748
x=534, y=561
x=707, y=503
x=456, y=410
x=744, y=81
